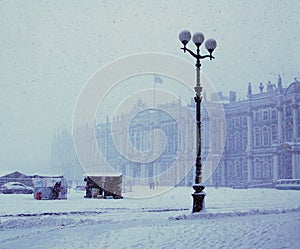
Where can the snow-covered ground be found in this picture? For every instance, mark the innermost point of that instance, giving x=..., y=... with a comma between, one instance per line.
x=234, y=218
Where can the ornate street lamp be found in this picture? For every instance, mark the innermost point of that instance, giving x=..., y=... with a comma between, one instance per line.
x=210, y=45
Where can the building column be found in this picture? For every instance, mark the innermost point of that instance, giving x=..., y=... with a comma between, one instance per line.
x=275, y=166
x=294, y=161
x=129, y=176
x=156, y=172
x=128, y=170
x=295, y=164
x=295, y=121
x=249, y=144
x=144, y=173
x=280, y=124
x=250, y=167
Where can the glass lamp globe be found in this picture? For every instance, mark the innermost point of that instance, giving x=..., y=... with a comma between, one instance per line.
x=198, y=38
x=185, y=37
x=210, y=45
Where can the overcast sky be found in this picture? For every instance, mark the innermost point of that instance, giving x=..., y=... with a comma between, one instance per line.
x=50, y=48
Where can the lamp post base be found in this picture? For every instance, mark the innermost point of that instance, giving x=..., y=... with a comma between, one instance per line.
x=198, y=198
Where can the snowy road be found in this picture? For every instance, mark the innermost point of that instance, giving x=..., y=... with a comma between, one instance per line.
x=253, y=218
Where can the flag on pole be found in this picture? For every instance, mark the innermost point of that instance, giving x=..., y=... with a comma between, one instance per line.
x=158, y=80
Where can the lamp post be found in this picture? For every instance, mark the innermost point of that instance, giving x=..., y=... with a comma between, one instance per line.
x=210, y=45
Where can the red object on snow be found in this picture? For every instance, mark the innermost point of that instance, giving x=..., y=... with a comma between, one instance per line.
x=38, y=196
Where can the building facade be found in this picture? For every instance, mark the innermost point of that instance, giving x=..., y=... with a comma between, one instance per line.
x=261, y=146
x=165, y=169
x=262, y=143
x=63, y=157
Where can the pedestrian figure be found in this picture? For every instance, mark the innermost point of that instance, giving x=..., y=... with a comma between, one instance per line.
x=151, y=184
x=88, y=187
x=56, y=190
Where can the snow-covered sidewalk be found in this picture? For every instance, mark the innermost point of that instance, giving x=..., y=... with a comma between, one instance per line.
x=235, y=218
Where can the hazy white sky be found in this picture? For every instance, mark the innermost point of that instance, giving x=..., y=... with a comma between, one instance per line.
x=50, y=48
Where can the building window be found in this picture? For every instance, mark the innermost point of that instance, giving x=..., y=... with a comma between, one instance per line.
x=230, y=169
x=266, y=169
x=266, y=116
x=228, y=123
x=288, y=111
x=257, y=170
x=288, y=131
x=266, y=141
x=237, y=123
x=244, y=121
x=175, y=142
x=285, y=168
x=168, y=145
x=237, y=141
x=230, y=143
x=274, y=115
x=257, y=137
x=274, y=133
x=244, y=140
x=256, y=117
x=164, y=128
x=237, y=170
x=138, y=141
x=245, y=168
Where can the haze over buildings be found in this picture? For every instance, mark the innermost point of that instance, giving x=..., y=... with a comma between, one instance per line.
x=49, y=49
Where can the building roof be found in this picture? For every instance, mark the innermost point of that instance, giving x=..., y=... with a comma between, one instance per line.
x=46, y=176
x=102, y=174
x=294, y=87
x=12, y=174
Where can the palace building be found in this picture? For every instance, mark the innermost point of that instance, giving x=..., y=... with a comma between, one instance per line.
x=262, y=137
x=255, y=143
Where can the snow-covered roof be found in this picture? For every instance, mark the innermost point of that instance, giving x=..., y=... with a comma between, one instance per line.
x=6, y=173
x=102, y=174
x=46, y=176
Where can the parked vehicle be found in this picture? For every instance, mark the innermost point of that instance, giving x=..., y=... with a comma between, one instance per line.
x=288, y=184
x=240, y=185
x=16, y=188
x=80, y=188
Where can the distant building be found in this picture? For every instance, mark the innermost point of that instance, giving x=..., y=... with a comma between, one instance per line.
x=262, y=139
x=16, y=176
x=63, y=157
x=162, y=170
